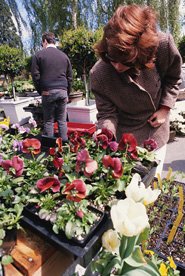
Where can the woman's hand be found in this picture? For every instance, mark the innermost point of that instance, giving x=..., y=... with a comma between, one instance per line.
x=159, y=117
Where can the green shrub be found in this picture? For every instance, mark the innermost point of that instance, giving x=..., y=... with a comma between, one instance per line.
x=22, y=86
x=11, y=61
x=78, y=45
x=181, y=47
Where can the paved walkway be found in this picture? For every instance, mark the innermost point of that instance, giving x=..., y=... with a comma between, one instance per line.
x=175, y=157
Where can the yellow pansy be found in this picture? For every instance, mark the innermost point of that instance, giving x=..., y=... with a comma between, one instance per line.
x=163, y=270
x=149, y=252
x=172, y=264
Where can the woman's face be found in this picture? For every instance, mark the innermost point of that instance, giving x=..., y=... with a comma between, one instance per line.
x=120, y=68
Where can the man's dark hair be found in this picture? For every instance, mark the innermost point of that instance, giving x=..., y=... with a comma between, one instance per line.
x=49, y=37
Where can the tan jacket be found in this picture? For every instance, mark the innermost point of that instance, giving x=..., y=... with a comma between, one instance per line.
x=126, y=100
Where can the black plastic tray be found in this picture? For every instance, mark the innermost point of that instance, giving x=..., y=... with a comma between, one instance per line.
x=30, y=211
x=78, y=250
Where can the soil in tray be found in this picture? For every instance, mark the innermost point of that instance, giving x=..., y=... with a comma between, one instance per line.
x=174, y=249
x=81, y=240
x=179, y=235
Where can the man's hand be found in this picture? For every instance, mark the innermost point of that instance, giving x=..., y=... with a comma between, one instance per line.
x=159, y=117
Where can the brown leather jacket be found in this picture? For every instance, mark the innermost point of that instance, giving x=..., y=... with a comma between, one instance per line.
x=126, y=100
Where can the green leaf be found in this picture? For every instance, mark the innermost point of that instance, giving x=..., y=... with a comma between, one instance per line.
x=123, y=246
x=120, y=185
x=143, y=236
x=136, y=259
x=112, y=264
x=146, y=270
x=6, y=259
x=2, y=234
x=130, y=245
x=69, y=229
x=55, y=229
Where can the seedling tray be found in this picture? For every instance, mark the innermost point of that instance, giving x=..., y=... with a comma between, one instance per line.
x=164, y=222
x=32, y=213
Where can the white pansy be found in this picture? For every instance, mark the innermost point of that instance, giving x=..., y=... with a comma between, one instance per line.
x=110, y=241
x=139, y=193
x=128, y=217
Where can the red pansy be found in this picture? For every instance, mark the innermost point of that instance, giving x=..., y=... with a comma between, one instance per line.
x=115, y=164
x=16, y=163
x=45, y=183
x=31, y=145
x=76, y=190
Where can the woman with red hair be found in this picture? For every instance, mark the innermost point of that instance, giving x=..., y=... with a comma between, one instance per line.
x=136, y=80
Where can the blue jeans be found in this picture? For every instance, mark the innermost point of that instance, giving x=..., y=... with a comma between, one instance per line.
x=54, y=104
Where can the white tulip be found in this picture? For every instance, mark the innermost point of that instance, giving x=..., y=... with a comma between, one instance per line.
x=110, y=241
x=128, y=217
x=139, y=193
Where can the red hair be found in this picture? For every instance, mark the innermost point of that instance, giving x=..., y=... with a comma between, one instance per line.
x=130, y=36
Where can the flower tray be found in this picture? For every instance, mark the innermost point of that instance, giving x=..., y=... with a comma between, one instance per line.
x=79, y=127
x=82, y=128
x=31, y=212
x=162, y=223
x=61, y=241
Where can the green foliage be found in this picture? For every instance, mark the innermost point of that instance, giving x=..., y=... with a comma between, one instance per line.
x=181, y=47
x=78, y=45
x=28, y=64
x=8, y=32
x=78, y=83
x=11, y=61
x=22, y=86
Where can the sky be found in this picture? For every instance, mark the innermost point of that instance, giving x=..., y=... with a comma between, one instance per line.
x=26, y=33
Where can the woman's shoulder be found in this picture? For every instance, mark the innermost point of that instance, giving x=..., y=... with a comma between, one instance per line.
x=100, y=67
x=165, y=41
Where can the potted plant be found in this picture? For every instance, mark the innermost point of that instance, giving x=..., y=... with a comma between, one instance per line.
x=11, y=64
x=78, y=44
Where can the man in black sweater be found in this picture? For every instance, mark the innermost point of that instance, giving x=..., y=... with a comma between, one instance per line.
x=52, y=76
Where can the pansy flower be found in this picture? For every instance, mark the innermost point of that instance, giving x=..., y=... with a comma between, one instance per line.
x=16, y=163
x=115, y=164
x=128, y=143
x=113, y=145
x=52, y=151
x=58, y=162
x=76, y=141
x=49, y=182
x=85, y=163
x=76, y=190
x=103, y=137
x=150, y=144
x=32, y=122
x=17, y=145
x=31, y=145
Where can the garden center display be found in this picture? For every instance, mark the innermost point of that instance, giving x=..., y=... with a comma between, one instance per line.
x=66, y=192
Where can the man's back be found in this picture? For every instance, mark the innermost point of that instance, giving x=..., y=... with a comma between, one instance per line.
x=54, y=69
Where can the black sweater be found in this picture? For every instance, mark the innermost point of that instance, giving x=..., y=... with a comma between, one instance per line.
x=51, y=69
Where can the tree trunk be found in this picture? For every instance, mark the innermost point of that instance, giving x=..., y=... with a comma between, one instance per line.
x=74, y=13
